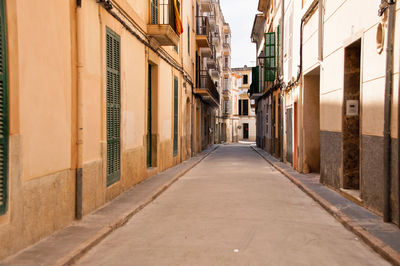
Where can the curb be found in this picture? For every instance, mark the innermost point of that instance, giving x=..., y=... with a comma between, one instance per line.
x=376, y=244
x=84, y=247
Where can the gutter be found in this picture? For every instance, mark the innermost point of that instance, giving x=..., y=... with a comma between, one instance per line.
x=388, y=111
x=79, y=111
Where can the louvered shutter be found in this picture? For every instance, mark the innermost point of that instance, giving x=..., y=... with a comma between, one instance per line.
x=240, y=107
x=3, y=112
x=270, y=60
x=113, y=107
x=255, y=79
x=154, y=11
x=175, y=144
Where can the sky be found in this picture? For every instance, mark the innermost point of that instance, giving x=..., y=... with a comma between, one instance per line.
x=240, y=16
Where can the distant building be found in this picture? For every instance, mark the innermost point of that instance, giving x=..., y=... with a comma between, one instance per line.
x=243, y=114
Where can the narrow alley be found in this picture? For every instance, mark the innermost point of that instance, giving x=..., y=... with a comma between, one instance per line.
x=232, y=209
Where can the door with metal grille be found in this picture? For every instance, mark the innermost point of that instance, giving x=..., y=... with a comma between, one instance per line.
x=3, y=112
x=113, y=107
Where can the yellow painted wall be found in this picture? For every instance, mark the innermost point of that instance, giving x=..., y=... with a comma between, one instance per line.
x=45, y=95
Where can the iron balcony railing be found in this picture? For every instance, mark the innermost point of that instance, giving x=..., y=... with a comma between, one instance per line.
x=163, y=12
x=203, y=27
x=204, y=81
x=227, y=44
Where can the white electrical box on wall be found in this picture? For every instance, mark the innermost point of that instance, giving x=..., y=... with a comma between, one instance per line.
x=352, y=107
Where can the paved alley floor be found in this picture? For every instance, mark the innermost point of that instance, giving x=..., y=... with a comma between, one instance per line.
x=232, y=209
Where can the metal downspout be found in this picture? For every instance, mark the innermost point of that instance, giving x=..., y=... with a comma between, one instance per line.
x=398, y=157
x=79, y=118
x=282, y=34
x=388, y=115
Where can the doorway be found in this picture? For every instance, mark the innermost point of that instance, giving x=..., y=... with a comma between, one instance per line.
x=289, y=135
x=149, y=119
x=151, y=137
x=311, y=122
x=245, y=130
x=351, y=118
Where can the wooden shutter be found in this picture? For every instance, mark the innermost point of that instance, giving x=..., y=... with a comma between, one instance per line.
x=3, y=112
x=270, y=60
x=255, y=79
x=240, y=107
x=278, y=55
x=113, y=107
x=154, y=11
x=176, y=100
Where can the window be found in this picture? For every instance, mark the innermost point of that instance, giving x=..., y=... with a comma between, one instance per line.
x=113, y=107
x=243, y=107
x=188, y=39
x=270, y=56
x=226, y=83
x=175, y=144
x=245, y=79
x=226, y=62
x=154, y=11
x=3, y=112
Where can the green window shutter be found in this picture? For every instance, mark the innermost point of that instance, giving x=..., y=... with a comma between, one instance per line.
x=113, y=50
x=176, y=100
x=278, y=59
x=3, y=112
x=255, y=79
x=270, y=60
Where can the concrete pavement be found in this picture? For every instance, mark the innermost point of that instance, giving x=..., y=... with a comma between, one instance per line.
x=232, y=209
x=69, y=244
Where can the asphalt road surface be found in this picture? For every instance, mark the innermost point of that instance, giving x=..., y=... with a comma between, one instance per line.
x=232, y=209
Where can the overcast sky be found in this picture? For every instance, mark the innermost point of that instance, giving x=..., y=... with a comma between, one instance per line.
x=240, y=16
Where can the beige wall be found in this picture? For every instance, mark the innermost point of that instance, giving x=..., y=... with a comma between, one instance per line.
x=45, y=99
x=45, y=42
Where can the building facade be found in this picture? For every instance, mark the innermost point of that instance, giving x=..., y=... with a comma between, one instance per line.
x=243, y=113
x=96, y=98
x=326, y=96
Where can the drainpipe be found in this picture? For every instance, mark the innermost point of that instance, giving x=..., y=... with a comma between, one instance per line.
x=281, y=70
x=398, y=157
x=388, y=114
x=79, y=115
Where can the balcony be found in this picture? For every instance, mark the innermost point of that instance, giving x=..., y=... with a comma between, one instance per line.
x=226, y=67
x=212, y=60
x=213, y=21
x=203, y=34
x=216, y=38
x=205, y=87
x=162, y=25
x=215, y=72
x=205, y=5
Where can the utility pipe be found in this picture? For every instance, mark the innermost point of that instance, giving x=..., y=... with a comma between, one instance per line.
x=398, y=156
x=282, y=34
x=388, y=114
x=79, y=114
x=303, y=19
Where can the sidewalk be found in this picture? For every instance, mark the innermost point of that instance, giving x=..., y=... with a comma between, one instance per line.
x=69, y=244
x=384, y=238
